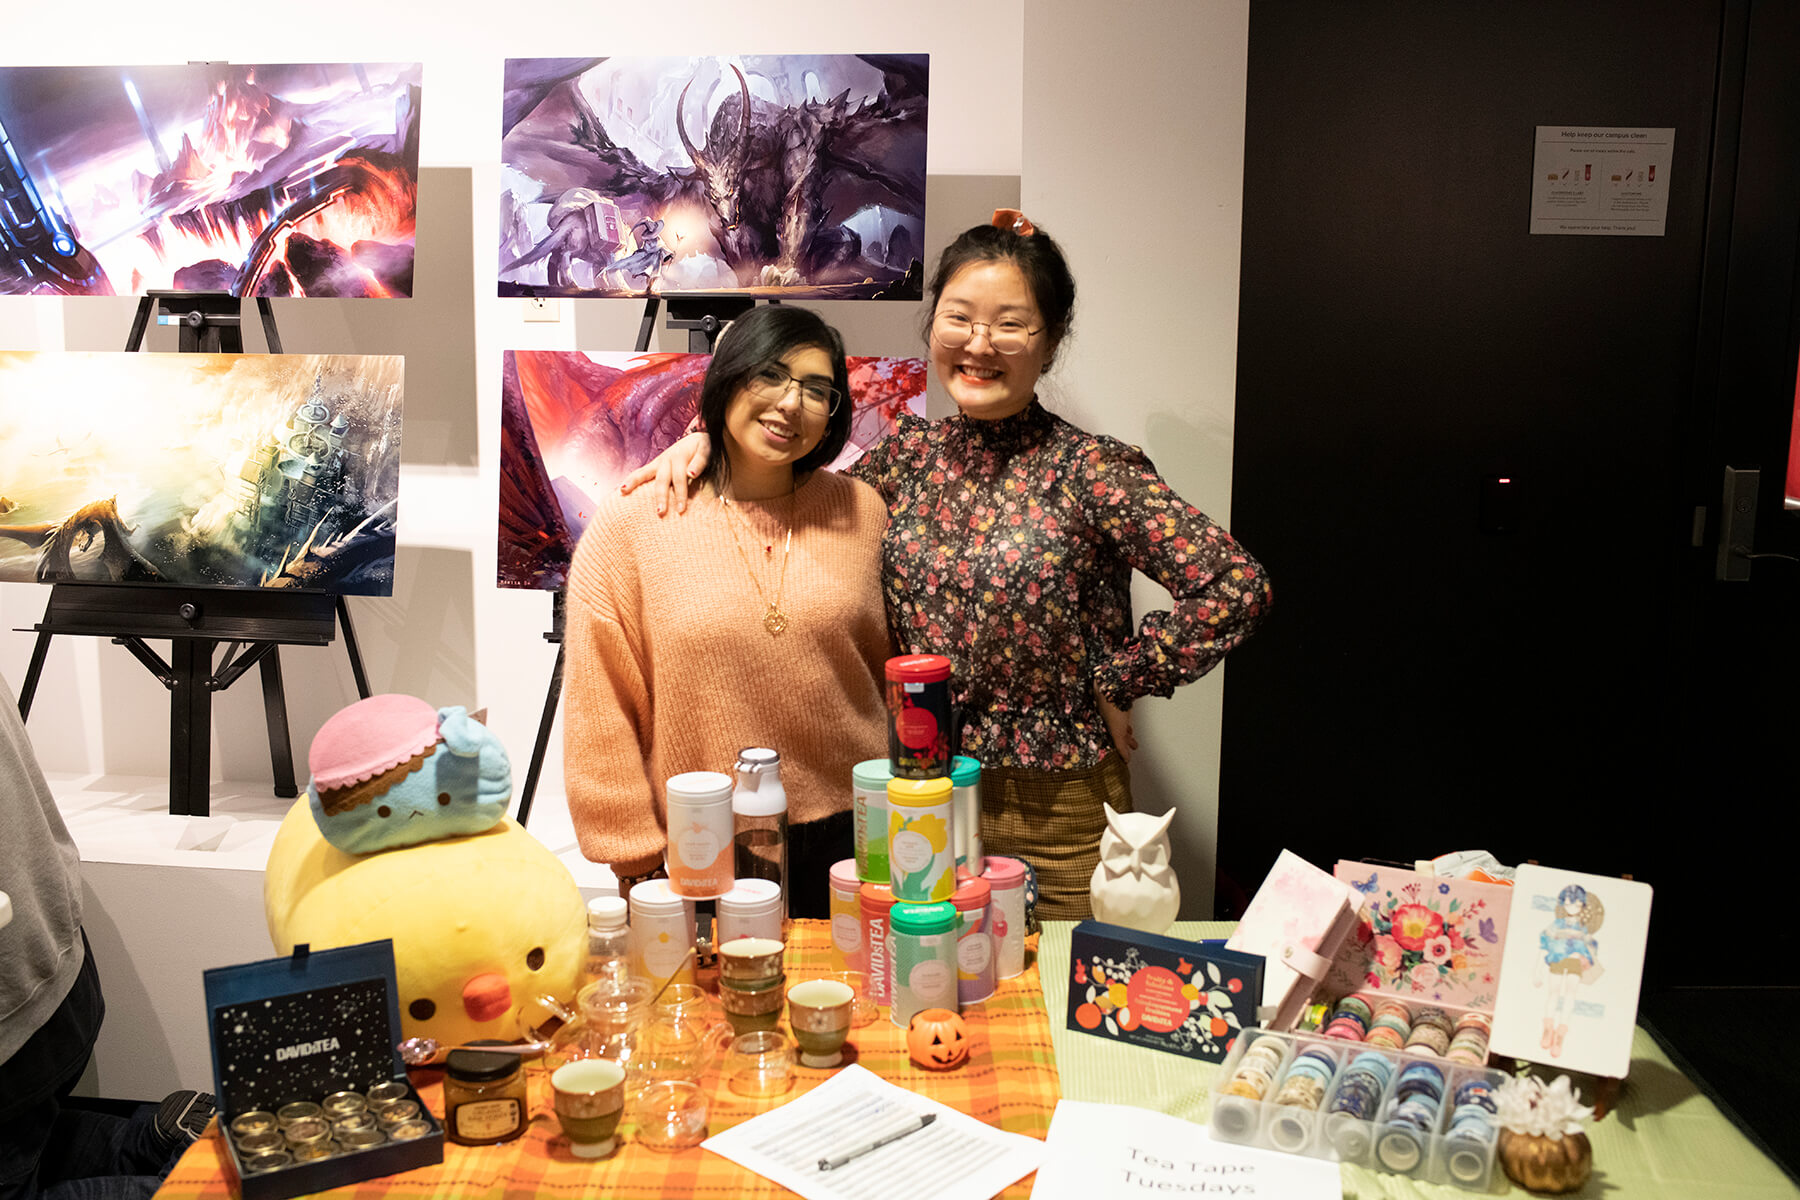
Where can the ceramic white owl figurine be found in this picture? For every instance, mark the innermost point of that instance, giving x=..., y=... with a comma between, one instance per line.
x=1135, y=884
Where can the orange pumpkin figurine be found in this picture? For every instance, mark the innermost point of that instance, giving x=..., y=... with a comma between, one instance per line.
x=938, y=1040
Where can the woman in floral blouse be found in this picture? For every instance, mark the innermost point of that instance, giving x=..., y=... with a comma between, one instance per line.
x=1012, y=539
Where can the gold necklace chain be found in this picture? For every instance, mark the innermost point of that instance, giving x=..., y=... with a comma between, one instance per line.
x=774, y=620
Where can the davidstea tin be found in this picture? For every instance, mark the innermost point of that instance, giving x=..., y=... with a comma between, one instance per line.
x=699, y=857
x=921, y=841
x=918, y=698
x=965, y=799
x=974, y=944
x=848, y=952
x=877, y=903
x=1006, y=914
x=924, y=952
x=869, y=782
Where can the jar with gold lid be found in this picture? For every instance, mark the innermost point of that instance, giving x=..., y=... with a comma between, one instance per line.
x=484, y=1097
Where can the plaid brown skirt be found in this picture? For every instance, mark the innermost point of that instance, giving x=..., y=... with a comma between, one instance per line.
x=1053, y=820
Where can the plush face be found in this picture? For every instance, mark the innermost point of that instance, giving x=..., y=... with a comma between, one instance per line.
x=937, y=1039
x=462, y=787
x=481, y=925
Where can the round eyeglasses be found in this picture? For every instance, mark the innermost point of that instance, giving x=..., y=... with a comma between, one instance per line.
x=953, y=331
x=772, y=380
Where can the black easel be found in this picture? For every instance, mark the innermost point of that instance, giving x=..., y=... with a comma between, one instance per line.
x=704, y=318
x=252, y=623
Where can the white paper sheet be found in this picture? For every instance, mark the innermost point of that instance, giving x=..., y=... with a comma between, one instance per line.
x=954, y=1158
x=1116, y=1150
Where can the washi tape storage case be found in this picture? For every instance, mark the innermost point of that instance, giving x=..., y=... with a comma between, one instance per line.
x=302, y=1028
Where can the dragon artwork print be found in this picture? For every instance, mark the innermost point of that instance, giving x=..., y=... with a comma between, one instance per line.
x=796, y=176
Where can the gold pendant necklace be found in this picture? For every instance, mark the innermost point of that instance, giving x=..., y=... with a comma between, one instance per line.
x=774, y=620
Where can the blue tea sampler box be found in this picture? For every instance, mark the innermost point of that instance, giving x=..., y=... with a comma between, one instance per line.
x=1188, y=998
x=296, y=1030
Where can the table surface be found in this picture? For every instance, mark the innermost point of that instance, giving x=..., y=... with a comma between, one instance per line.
x=1664, y=1139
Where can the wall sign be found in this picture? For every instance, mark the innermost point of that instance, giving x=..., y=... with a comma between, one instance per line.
x=1605, y=181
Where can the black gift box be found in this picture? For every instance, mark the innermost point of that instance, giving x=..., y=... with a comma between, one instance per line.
x=1132, y=987
x=300, y=1028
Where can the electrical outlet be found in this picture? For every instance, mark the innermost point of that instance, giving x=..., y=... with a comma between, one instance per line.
x=538, y=308
x=1737, y=525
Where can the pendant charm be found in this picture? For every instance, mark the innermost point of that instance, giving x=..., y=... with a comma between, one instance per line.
x=775, y=621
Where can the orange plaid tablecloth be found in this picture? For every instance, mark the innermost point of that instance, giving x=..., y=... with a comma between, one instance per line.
x=1009, y=1082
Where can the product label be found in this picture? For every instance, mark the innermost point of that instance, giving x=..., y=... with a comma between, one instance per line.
x=974, y=954
x=482, y=1119
x=930, y=984
x=846, y=933
x=879, y=970
x=911, y=851
x=697, y=848
x=661, y=952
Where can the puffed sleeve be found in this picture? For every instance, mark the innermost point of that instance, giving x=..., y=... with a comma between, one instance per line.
x=1219, y=593
x=606, y=720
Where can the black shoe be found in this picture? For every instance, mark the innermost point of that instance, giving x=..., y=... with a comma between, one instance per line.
x=183, y=1116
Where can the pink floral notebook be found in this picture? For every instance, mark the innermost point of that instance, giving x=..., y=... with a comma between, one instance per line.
x=1296, y=921
x=1421, y=937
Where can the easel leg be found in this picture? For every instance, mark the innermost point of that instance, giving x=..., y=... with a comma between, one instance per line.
x=190, y=727
x=33, y=673
x=281, y=743
x=351, y=648
x=551, y=698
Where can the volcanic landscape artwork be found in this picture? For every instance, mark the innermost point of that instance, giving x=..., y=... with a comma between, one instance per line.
x=274, y=180
x=275, y=471
x=572, y=425
x=796, y=175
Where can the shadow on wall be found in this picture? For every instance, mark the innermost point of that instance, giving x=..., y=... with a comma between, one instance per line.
x=435, y=329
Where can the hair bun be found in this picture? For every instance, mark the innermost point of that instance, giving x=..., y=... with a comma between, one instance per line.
x=1013, y=219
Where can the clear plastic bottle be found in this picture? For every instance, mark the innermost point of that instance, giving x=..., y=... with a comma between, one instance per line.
x=759, y=818
x=608, y=941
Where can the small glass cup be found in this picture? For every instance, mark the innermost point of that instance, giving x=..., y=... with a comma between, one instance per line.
x=760, y=1064
x=862, y=1009
x=671, y=1114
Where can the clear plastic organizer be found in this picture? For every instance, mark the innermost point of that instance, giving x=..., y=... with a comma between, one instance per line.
x=1464, y=1158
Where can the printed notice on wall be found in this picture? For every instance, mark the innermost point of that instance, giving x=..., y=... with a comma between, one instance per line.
x=1601, y=181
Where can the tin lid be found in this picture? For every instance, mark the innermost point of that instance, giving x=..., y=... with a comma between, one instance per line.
x=699, y=787
x=965, y=771
x=1004, y=872
x=750, y=897
x=480, y=1066
x=843, y=876
x=877, y=895
x=873, y=774
x=655, y=898
x=974, y=893
x=918, y=793
x=607, y=912
x=923, y=918
x=918, y=668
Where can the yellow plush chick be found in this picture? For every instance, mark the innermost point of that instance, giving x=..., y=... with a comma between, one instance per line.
x=482, y=925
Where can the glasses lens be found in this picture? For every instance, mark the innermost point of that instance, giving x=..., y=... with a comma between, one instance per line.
x=818, y=397
x=953, y=331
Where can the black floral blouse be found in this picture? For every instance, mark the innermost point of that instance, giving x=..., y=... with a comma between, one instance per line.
x=1010, y=552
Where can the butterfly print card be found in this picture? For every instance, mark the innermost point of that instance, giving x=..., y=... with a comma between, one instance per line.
x=1423, y=937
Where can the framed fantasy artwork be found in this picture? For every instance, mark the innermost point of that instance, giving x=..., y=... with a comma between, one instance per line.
x=1423, y=937
x=793, y=175
x=573, y=425
x=234, y=470
x=292, y=179
x=1575, y=962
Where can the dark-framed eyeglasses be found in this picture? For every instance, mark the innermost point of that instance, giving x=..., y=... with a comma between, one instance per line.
x=1007, y=336
x=771, y=381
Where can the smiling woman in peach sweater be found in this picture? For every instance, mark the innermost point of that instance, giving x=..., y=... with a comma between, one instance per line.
x=756, y=620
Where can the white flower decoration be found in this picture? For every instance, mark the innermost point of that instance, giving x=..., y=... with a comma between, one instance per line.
x=1526, y=1106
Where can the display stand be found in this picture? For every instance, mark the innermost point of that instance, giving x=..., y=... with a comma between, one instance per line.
x=253, y=623
x=704, y=318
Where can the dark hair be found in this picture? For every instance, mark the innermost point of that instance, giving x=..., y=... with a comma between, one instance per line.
x=1037, y=256
x=761, y=336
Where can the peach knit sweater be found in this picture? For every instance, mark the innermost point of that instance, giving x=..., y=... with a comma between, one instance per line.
x=669, y=669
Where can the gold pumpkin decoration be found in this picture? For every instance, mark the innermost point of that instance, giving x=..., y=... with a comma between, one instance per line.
x=1540, y=1163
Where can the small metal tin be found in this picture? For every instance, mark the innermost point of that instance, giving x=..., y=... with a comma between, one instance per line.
x=315, y=1152
x=343, y=1104
x=397, y=1112
x=307, y=1131
x=354, y=1122
x=387, y=1092
x=254, y=1121
x=261, y=1143
x=406, y=1131
x=299, y=1110
x=361, y=1139
x=256, y=1164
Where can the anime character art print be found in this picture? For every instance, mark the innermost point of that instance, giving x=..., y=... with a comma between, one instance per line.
x=572, y=425
x=272, y=180
x=1574, y=964
x=793, y=175
x=229, y=470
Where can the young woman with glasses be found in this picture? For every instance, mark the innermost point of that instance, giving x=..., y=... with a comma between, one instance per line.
x=1010, y=551
x=755, y=621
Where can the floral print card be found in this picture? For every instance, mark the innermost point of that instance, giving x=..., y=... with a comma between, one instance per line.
x=1575, y=955
x=1146, y=989
x=1423, y=937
